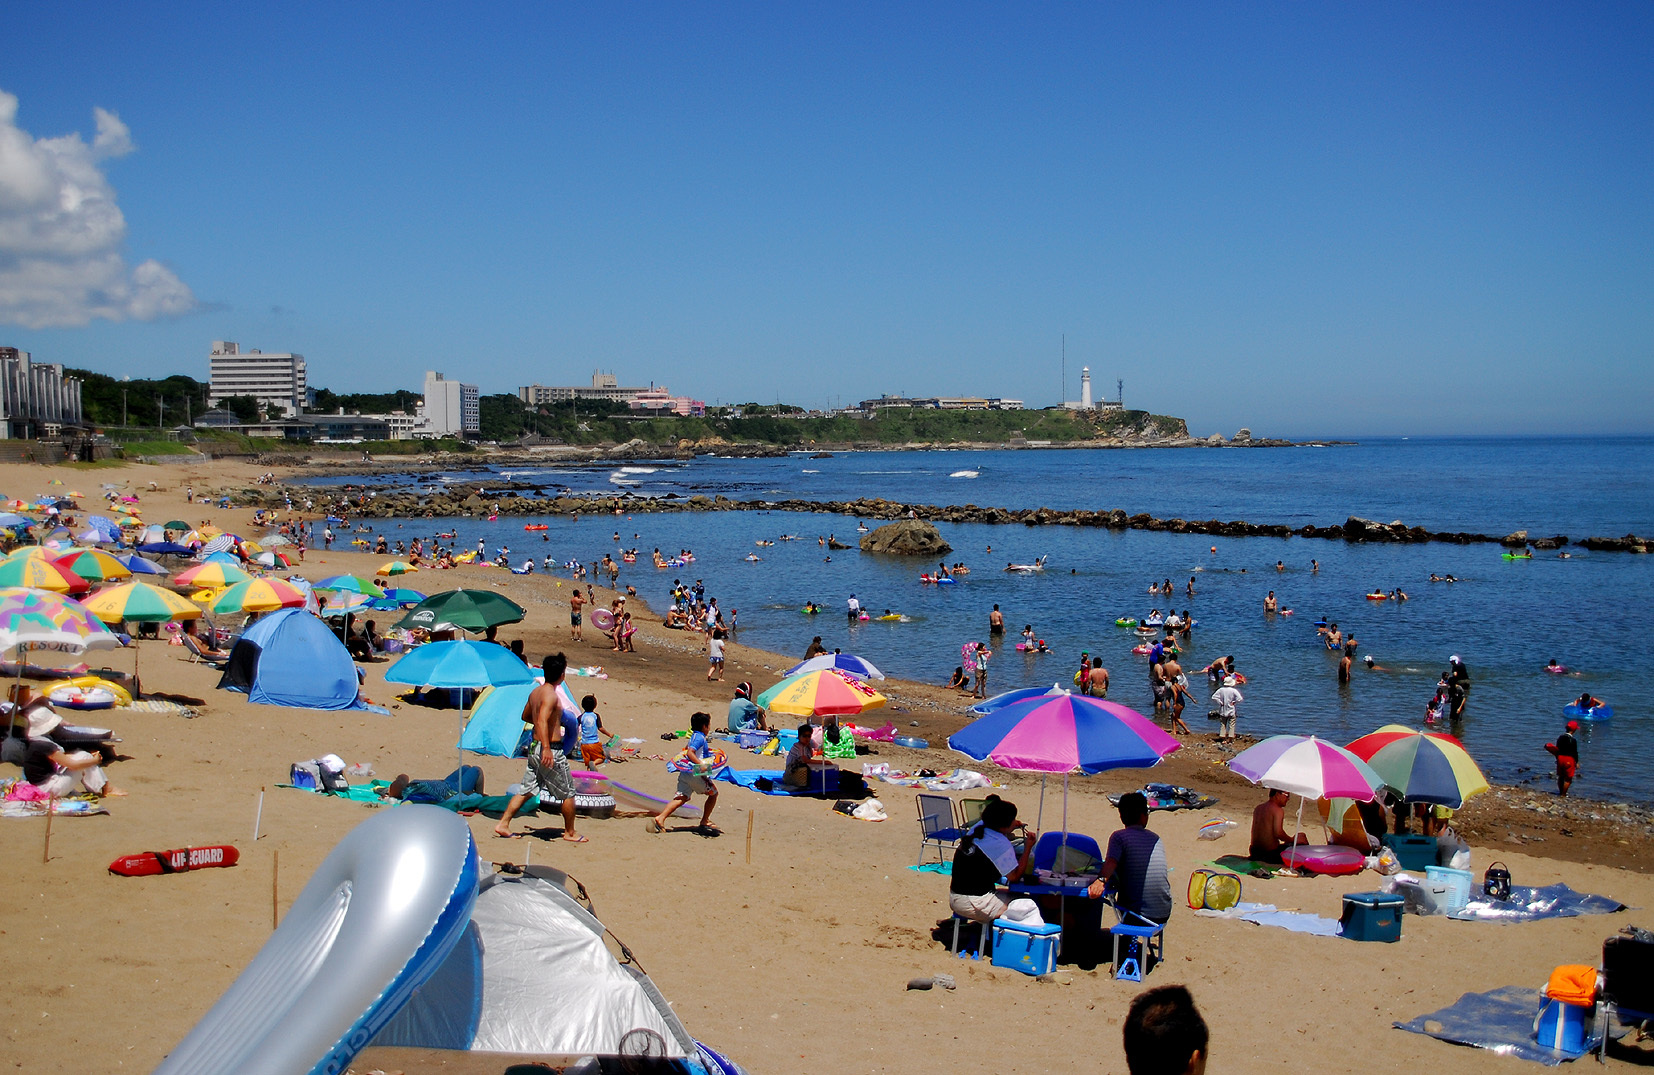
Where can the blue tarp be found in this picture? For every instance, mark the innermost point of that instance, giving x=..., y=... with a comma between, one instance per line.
x=1501, y=1020
x=748, y=778
x=291, y=658
x=1530, y=904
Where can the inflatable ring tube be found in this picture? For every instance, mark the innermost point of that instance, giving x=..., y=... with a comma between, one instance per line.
x=376, y=919
x=1125, y=621
x=121, y=695
x=1378, y=597
x=912, y=741
x=77, y=698
x=603, y=619
x=1600, y=712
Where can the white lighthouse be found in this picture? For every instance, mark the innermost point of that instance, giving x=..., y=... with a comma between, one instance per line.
x=1085, y=388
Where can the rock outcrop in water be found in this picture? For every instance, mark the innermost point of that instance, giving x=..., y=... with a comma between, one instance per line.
x=906, y=537
x=526, y=498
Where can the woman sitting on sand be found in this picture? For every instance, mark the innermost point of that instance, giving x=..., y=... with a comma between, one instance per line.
x=959, y=681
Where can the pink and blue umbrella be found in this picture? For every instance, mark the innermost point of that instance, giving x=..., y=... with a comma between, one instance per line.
x=860, y=667
x=1064, y=733
x=1307, y=766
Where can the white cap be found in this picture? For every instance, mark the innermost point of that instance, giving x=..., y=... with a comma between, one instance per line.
x=1228, y=681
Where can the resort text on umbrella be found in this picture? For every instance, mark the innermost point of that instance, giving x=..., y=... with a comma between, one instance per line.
x=40, y=618
x=1064, y=733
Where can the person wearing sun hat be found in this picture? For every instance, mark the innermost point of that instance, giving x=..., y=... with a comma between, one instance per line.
x=1566, y=750
x=47, y=764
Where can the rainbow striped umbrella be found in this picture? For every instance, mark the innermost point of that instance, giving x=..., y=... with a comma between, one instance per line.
x=41, y=573
x=1423, y=767
x=140, y=602
x=211, y=574
x=94, y=565
x=340, y=603
x=827, y=692
x=259, y=595
x=396, y=567
x=348, y=584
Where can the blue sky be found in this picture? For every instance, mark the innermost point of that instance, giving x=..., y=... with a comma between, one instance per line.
x=1309, y=219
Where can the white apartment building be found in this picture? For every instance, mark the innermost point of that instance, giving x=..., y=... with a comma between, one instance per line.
x=274, y=379
x=604, y=386
x=36, y=398
x=452, y=409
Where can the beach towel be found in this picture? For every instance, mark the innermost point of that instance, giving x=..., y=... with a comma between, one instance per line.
x=1242, y=864
x=749, y=778
x=1266, y=914
x=1171, y=797
x=1531, y=904
x=1501, y=1020
x=491, y=805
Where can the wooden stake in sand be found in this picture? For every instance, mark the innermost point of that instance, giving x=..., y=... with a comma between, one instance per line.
x=258, y=815
x=749, y=837
x=275, y=873
x=46, y=851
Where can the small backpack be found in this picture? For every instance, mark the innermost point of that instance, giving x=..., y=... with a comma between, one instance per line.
x=315, y=776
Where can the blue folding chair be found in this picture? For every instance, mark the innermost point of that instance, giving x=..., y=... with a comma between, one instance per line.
x=936, y=826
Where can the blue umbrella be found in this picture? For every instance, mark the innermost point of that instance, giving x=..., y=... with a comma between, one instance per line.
x=139, y=566
x=1021, y=694
x=859, y=667
x=220, y=558
x=166, y=548
x=461, y=663
x=403, y=596
x=14, y=522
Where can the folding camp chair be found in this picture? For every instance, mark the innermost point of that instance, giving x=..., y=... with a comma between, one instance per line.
x=936, y=825
x=201, y=655
x=970, y=811
x=1627, y=985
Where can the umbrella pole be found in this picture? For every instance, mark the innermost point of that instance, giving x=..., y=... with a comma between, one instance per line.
x=1062, y=844
x=1039, y=819
x=1298, y=830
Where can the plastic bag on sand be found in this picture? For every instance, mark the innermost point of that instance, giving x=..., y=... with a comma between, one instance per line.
x=871, y=810
x=1386, y=862
x=1217, y=828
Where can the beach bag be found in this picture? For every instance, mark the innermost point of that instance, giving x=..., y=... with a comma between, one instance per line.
x=1213, y=890
x=316, y=775
x=1496, y=882
x=1573, y=983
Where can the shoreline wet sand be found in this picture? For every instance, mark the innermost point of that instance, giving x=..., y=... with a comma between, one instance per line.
x=795, y=961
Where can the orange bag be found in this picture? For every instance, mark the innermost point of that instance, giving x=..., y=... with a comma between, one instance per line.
x=1573, y=983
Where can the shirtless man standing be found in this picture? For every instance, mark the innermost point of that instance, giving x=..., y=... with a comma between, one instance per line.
x=548, y=774
x=1269, y=829
x=1097, y=679
x=1269, y=604
x=996, y=622
x=576, y=601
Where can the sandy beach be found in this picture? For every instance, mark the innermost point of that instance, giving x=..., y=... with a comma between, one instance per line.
x=795, y=961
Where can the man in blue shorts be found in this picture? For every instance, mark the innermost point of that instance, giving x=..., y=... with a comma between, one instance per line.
x=1135, y=863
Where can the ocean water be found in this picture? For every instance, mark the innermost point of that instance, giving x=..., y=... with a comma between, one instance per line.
x=1506, y=619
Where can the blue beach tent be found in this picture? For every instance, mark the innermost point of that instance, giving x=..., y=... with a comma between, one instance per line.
x=291, y=658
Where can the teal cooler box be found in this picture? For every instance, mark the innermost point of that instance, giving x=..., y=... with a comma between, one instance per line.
x=1025, y=947
x=1372, y=916
x=1415, y=852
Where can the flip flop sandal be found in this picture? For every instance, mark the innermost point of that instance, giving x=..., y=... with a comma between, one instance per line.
x=654, y=825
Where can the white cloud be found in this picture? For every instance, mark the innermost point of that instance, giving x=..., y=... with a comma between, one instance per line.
x=61, y=232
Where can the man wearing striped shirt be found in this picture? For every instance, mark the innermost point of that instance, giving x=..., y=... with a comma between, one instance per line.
x=1135, y=863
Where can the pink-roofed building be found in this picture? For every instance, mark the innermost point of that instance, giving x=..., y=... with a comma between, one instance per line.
x=660, y=401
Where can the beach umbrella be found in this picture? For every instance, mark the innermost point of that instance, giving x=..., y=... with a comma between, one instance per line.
x=343, y=604
x=1307, y=766
x=140, y=602
x=1021, y=694
x=94, y=565
x=859, y=667
x=827, y=692
x=213, y=573
x=28, y=552
x=13, y=521
x=139, y=566
x=396, y=567
x=1422, y=767
x=176, y=524
x=41, y=573
x=259, y=595
x=460, y=663
x=401, y=596
x=272, y=559
x=348, y=584
x=470, y=610
x=1063, y=733
x=41, y=618
x=221, y=543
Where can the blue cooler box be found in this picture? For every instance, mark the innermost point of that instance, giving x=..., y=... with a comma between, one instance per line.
x=1562, y=1027
x=1372, y=916
x=1416, y=853
x=1027, y=948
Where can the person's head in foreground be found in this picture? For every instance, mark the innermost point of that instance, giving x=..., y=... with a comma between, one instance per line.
x=554, y=665
x=1134, y=808
x=1164, y=1034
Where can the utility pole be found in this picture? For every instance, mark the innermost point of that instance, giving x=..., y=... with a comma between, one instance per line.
x=1062, y=397
x=160, y=412
x=123, y=408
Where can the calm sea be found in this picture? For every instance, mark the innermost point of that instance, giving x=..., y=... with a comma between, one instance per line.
x=1506, y=619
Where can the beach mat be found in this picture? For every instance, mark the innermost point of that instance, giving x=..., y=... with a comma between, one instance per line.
x=943, y=868
x=748, y=778
x=1531, y=904
x=1501, y=1020
x=1242, y=864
